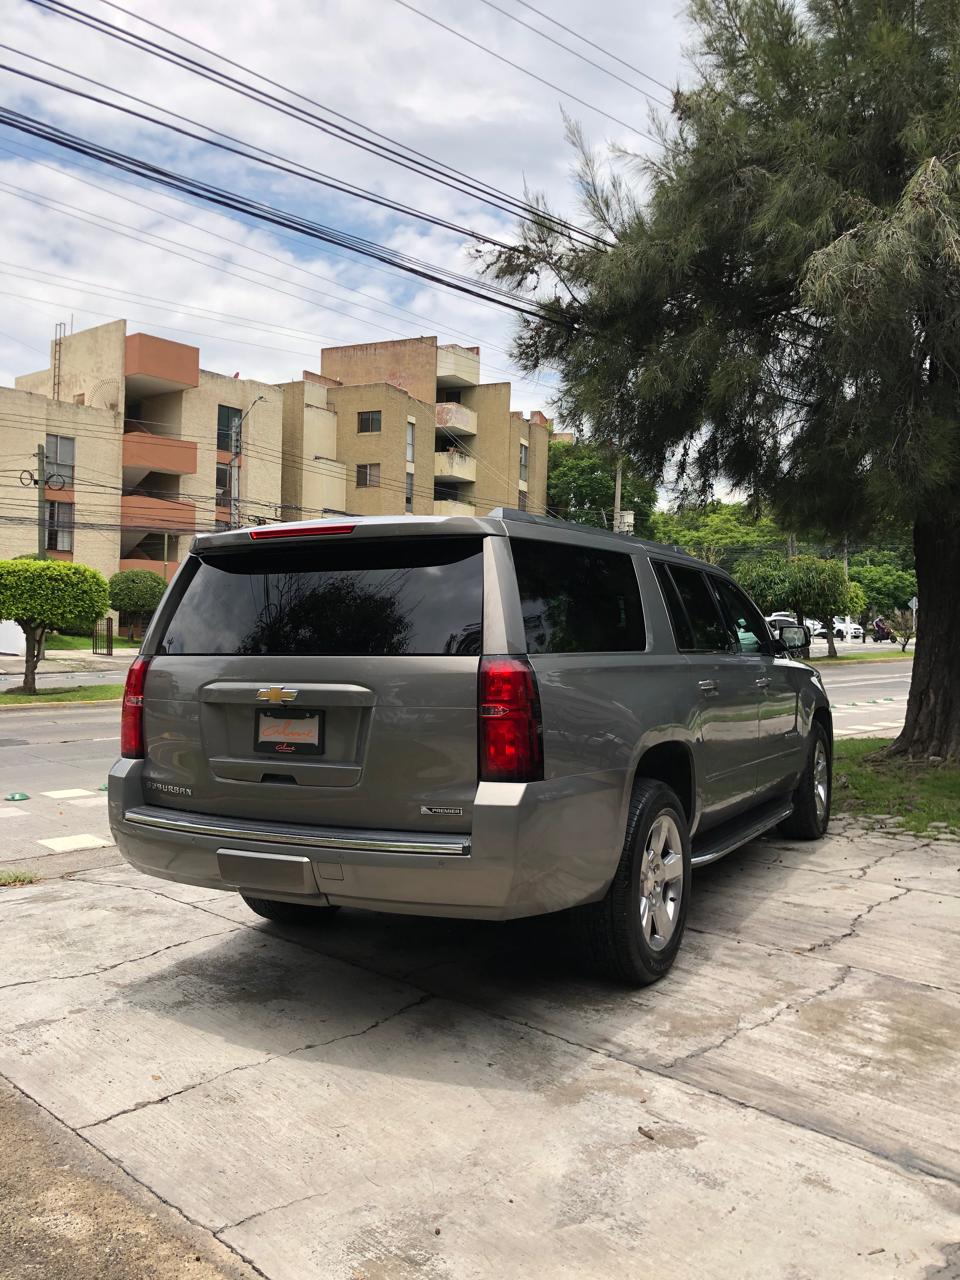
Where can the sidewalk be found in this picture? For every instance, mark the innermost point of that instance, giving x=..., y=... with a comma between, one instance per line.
x=64, y=666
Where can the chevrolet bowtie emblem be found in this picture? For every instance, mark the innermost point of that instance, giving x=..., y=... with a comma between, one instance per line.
x=276, y=693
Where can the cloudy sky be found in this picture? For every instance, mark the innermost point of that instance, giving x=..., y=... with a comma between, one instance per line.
x=83, y=244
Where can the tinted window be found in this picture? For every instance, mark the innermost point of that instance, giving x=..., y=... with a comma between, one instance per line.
x=399, y=596
x=678, y=617
x=576, y=600
x=744, y=617
x=709, y=631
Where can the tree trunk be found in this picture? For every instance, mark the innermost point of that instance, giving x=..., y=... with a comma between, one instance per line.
x=34, y=637
x=831, y=643
x=932, y=726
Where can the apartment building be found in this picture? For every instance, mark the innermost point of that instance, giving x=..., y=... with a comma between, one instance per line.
x=415, y=414
x=144, y=448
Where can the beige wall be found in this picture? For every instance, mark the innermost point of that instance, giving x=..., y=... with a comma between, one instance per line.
x=313, y=482
x=25, y=421
x=91, y=365
x=388, y=447
x=410, y=364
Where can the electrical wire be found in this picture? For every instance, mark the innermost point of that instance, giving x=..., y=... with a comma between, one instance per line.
x=263, y=212
x=413, y=160
x=246, y=150
x=392, y=309
x=525, y=70
x=593, y=45
x=582, y=56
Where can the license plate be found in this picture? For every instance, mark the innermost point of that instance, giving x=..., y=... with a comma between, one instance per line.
x=289, y=733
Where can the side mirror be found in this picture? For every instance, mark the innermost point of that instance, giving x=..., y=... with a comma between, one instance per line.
x=793, y=638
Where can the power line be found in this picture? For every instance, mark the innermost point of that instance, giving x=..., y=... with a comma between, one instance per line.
x=414, y=161
x=525, y=71
x=243, y=149
x=593, y=45
x=263, y=212
x=583, y=58
x=166, y=245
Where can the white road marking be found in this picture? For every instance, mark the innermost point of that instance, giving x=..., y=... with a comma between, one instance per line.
x=90, y=802
x=14, y=813
x=71, y=793
x=73, y=844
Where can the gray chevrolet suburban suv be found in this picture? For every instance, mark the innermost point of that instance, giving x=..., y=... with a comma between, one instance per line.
x=484, y=717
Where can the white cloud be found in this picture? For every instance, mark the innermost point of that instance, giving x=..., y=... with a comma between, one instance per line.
x=371, y=60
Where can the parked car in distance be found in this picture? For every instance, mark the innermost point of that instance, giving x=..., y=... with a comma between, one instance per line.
x=486, y=717
x=845, y=629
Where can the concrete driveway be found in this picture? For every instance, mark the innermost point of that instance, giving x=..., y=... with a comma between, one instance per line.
x=386, y=1098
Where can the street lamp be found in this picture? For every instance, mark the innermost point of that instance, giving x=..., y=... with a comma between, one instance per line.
x=235, y=465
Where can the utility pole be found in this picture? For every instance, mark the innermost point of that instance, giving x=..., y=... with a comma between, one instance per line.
x=617, y=487
x=41, y=502
x=235, y=466
x=846, y=557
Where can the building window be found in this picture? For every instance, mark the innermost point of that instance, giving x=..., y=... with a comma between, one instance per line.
x=411, y=431
x=368, y=421
x=224, y=484
x=228, y=428
x=368, y=475
x=60, y=461
x=409, y=495
x=448, y=395
x=522, y=501
x=524, y=461
x=60, y=526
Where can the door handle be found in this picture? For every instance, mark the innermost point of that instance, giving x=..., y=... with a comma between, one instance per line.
x=707, y=686
x=763, y=682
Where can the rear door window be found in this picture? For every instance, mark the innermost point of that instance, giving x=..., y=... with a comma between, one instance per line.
x=578, y=600
x=365, y=598
x=703, y=629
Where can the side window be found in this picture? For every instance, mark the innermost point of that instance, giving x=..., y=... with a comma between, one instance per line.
x=710, y=634
x=678, y=616
x=743, y=616
x=577, y=600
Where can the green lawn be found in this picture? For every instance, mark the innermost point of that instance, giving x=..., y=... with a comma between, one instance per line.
x=13, y=878
x=76, y=693
x=866, y=782
x=871, y=653
x=84, y=644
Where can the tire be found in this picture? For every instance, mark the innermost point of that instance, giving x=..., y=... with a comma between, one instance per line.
x=624, y=937
x=289, y=912
x=811, y=800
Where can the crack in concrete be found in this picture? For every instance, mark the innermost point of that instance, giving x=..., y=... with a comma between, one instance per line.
x=259, y=1062
x=851, y=929
x=93, y=973
x=788, y=1006
x=115, y=1160
x=276, y=1208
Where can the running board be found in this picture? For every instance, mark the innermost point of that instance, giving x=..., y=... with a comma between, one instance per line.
x=731, y=835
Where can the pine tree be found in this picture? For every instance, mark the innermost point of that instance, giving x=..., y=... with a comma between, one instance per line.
x=780, y=308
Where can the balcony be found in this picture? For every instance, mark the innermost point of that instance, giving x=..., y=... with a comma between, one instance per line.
x=456, y=418
x=452, y=465
x=153, y=366
x=458, y=366
x=138, y=511
x=450, y=507
x=144, y=451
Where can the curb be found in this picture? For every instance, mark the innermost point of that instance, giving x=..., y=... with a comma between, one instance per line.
x=42, y=706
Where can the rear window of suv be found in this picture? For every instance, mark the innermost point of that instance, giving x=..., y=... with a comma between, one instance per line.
x=578, y=600
x=366, y=599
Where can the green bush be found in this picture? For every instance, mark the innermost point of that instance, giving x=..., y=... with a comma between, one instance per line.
x=136, y=591
x=43, y=595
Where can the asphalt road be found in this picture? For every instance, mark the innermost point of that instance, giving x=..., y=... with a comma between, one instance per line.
x=869, y=699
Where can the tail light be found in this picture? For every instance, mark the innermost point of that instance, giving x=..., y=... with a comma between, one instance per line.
x=131, y=717
x=511, y=729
